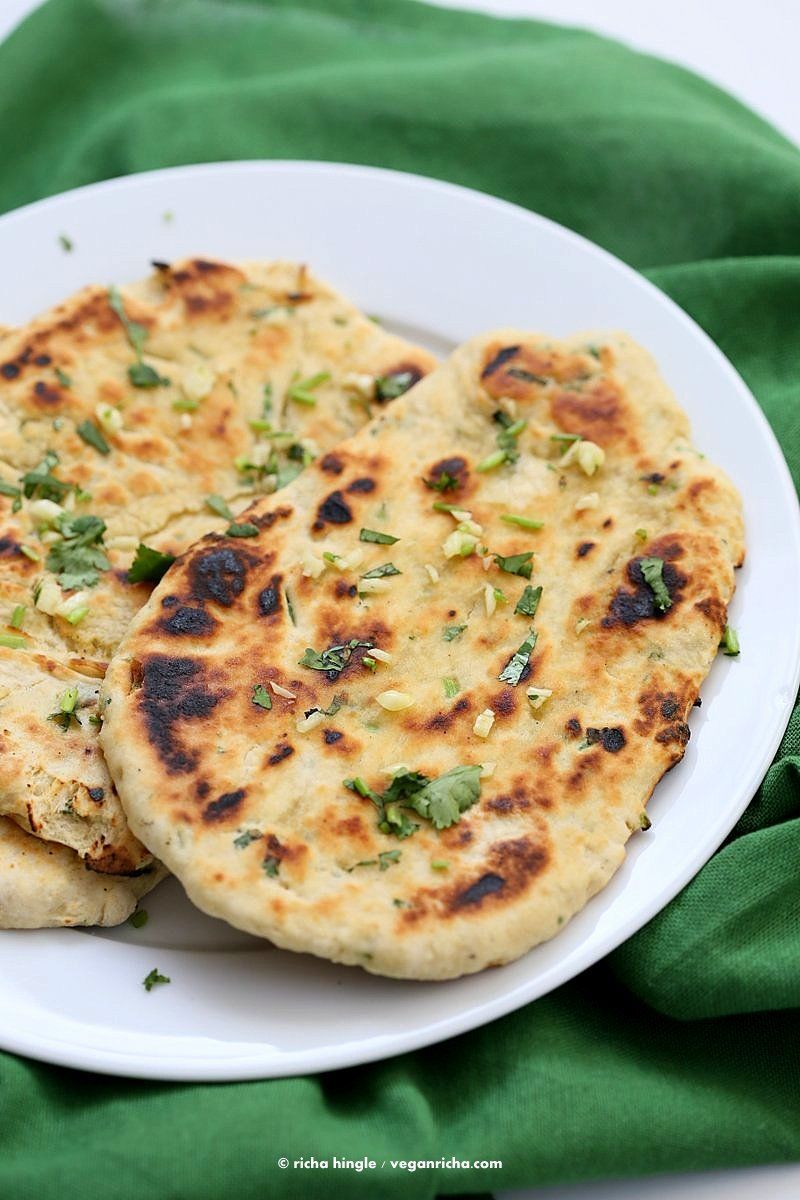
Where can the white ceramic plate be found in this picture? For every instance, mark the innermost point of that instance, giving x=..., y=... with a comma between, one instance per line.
x=438, y=263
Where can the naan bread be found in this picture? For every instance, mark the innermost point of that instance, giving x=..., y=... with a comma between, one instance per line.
x=134, y=407
x=247, y=804
x=43, y=885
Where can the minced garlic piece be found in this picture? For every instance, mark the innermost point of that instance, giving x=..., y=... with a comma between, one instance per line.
x=588, y=455
x=432, y=572
x=538, y=696
x=459, y=544
x=306, y=724
x=312, y=565
x=483, y=723
x=489, y=599
x=49, y=596
x=488, y=769
x=394, y=701
x=282, y=691
x=381, y=655
x=581, y=624
x=198, y=382
x=110, y=418
x=362, y=385
x=368, y=586
x=45, y=512
x=395, y=769
x=590, y=500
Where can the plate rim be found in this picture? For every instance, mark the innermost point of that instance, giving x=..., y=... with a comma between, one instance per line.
x=284, y=1063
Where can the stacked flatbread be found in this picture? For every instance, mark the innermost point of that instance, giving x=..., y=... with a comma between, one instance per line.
x=411, y=721
x=142, y=415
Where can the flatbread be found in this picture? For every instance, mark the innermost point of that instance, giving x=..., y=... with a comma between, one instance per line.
x=43, y=885
x=219, y=347
x=247, y=804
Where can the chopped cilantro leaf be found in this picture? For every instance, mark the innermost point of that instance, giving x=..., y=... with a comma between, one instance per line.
x=244, y=839
x=219, y=506
x=379, y=572
x=78, y=558
x=8, y=489
x=261, y=696
x=529, y=601
x=516, y=564
x=63, y=378
x=271, y=865
x=384, y=860
x=334, y=659
x=389, y=387
x=142, y=375
x=149, y=564
x=512, y=671
x=440, y=801
x=242, y=529
x=89, y=432
x=153, y=978
x=135, y=333
x=66, y=243
x=451, y=686
x=442, y=483
x=451, y=632
x=527, y=376
x=653, y=574
x=381, y=539
x=138, y=919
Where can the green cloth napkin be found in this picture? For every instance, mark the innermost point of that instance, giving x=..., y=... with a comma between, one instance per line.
x=677, y=1052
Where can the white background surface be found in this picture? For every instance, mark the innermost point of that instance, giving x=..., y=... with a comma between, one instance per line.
x=751, y=50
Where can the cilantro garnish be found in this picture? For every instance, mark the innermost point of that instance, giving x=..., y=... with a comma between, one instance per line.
x=8, y=489
x=138, y=919
x=149, y=565
x=78, y=558
x=153, y=978
x=384, y=860
x=379, y=572
x=66, y=243
x=507, y=450
x=63, y=378
x=527, y=376
x=440, y=801
x=512, y=671
x=450, y=686
x=261, y=696
x=89, y=432
x=140, y=374
x=244, y=839
x=451, y=632
x=242, y=529
x=271, y=865
x=66, y=709
x=653, y=574
x=529, y=601
x=516, y=564
x=334, y=659
x=389, y=387
x=219, y=506
x=42, y=483
x=381, y=539
x=443, y=482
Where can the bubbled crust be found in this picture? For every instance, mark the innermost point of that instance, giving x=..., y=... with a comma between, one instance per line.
x=252, y=815
x=252, y=324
